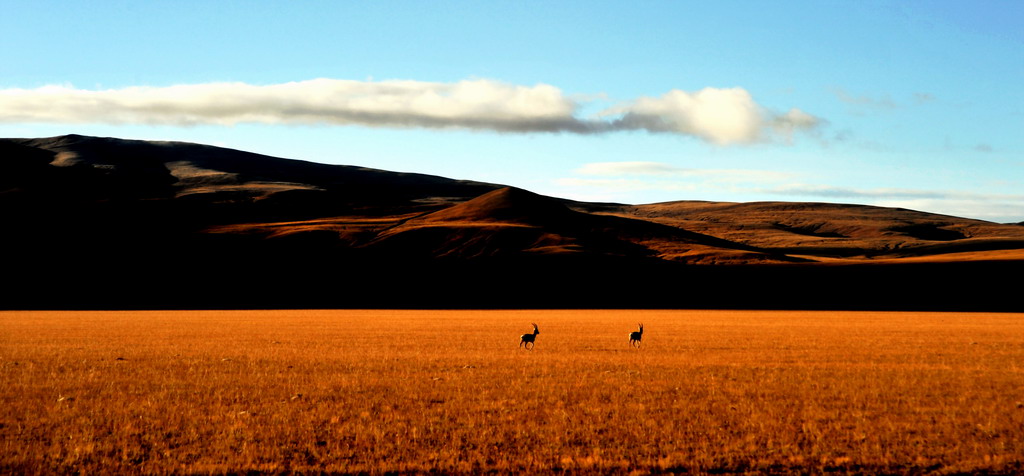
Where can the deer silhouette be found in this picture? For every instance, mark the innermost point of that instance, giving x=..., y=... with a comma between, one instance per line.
x=636, y=336
x=527, y=340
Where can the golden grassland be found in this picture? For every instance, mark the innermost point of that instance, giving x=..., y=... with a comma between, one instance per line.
x=382, y=391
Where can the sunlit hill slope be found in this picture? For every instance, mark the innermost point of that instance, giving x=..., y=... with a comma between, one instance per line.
x=111, y=223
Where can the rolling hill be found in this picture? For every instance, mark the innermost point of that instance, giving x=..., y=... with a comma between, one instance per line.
x=101, y=222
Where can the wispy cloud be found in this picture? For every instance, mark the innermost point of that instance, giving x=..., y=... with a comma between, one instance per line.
x=889, y=193
x=719, y=116
x=631, y=168
x=610, y=186
x=922, y=98
x=883, y=102
x=825, y=191
x=612, y=180
x=668, y=171
x=995, y=207
x=880, y=102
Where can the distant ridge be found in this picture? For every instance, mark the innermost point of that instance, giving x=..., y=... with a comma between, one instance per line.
x=109, y=223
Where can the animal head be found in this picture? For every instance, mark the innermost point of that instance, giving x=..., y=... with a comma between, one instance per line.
x=535, y=329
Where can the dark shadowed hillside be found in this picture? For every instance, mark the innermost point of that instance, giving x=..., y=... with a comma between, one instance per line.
x=109, y=223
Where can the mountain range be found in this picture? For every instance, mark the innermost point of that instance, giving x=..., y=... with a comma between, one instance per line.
x=110, y=223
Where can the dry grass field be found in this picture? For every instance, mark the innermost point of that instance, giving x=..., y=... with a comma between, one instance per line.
x=379, y=391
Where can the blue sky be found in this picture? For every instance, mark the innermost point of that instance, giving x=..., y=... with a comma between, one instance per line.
x=914, y=104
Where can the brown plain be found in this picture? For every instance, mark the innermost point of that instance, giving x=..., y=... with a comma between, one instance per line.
x=380, y=391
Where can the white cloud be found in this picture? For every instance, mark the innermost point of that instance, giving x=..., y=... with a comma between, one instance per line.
x=467, y=104
x=720, y=116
